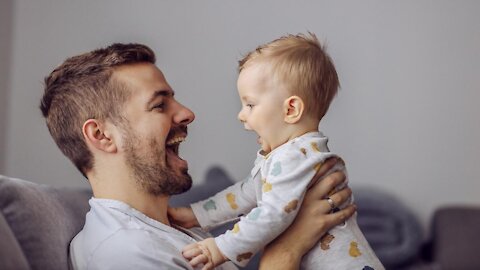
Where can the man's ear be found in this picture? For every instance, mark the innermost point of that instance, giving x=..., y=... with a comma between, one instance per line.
x=97, y=135
x=293, y=109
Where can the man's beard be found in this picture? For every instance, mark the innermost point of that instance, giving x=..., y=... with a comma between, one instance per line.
x=150, y=169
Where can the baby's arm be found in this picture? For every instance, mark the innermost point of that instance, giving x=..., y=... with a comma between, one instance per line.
x=226, y=205
x=216, y=210
x=182, y=216
x=286, y=176
x=204, y=252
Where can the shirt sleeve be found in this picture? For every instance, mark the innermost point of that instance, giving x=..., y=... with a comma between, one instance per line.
x=285, y=177
x=227, y=205
x=143, y=251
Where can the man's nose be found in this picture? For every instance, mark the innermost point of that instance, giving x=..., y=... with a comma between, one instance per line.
x=184, y=115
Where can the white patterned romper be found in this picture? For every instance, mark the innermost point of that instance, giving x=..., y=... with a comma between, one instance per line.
x=267, y=202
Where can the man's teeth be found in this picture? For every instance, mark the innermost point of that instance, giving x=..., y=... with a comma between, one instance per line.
x=175, y=140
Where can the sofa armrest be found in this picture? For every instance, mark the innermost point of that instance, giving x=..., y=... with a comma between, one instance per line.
x=456, y=233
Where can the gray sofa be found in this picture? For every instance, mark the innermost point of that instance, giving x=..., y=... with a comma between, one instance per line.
x=37, y=223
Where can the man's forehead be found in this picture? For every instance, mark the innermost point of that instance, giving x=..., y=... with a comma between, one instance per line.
x=138, y=72
x=142, y=78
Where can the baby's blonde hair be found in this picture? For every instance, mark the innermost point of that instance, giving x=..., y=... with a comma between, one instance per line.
x=303, y=66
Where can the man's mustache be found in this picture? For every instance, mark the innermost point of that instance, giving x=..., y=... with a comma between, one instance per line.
x=177, y=130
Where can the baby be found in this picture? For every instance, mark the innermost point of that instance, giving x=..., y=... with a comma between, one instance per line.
x=285, y=88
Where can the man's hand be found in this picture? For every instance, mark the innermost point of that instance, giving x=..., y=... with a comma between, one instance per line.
x=312, y=221
x=182, y=216
x=204, y=252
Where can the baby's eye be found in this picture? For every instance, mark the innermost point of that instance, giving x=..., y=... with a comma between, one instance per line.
x=250, y=105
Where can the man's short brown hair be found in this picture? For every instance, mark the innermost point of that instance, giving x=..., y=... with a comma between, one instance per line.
x=82, y=88
x=301, y=64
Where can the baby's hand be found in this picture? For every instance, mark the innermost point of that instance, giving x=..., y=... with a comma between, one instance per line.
x=182, y=216
x=204, y=252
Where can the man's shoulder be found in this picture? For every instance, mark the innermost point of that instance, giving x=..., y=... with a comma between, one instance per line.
x=136, y=249
x=127, y=241
x=123, y=243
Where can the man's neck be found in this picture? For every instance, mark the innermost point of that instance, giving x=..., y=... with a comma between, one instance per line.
x=154, y=207
x=126, y=190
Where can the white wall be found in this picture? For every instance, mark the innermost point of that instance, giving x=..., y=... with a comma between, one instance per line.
x=6, y=10
x=406, y=119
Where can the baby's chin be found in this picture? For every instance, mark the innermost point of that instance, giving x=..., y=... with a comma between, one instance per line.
x=266, y=150
x=265, y=147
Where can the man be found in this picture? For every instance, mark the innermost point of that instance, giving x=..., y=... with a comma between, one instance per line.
x=113, y=114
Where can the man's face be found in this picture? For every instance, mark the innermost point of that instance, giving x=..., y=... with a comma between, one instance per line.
x=155, y=126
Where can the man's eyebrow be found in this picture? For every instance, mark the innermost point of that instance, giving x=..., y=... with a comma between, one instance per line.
x=160, y=93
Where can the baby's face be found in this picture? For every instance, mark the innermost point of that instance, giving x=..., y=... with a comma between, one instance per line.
x=262, y=105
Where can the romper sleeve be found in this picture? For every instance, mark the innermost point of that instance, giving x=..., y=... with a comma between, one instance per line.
x=227, y=205
x=285, y=176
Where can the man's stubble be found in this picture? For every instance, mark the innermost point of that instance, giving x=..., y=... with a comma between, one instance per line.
x=150, y=168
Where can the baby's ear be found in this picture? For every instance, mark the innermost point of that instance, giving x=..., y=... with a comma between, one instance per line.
x=99, y=136
x=293, y=109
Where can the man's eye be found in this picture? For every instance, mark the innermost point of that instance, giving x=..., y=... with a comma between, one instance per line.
x=160, y=106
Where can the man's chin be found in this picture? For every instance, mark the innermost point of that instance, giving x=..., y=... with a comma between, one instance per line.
x=183, y=183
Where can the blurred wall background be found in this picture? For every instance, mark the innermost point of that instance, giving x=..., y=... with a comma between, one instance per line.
x=406, y=119
x=6, y=29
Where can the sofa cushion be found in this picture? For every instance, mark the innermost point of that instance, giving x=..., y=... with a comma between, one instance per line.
x=390, y=227
x=10, y=252
x=43, y=219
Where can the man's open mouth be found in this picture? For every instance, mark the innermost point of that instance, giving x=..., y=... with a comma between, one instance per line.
x=173, y=159
x=174, y=143
x=176, y=136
